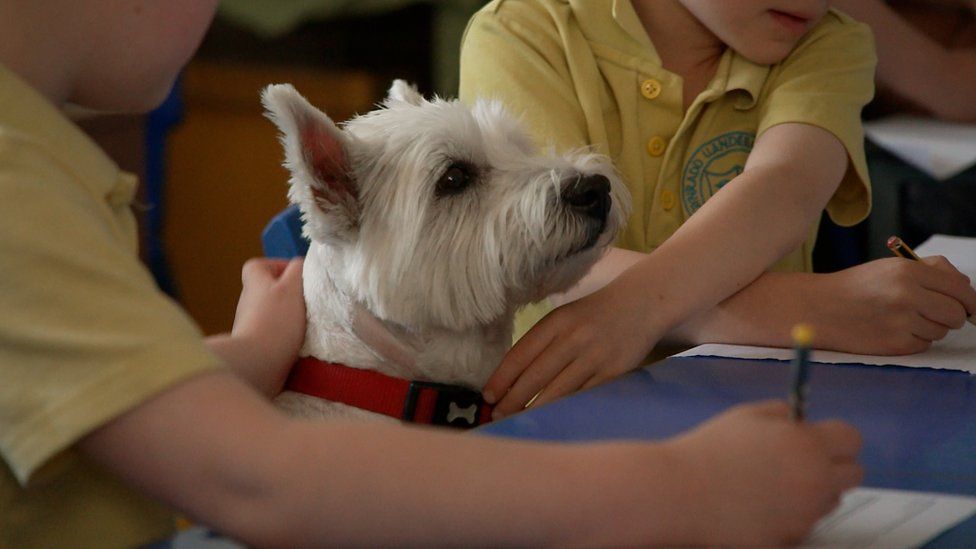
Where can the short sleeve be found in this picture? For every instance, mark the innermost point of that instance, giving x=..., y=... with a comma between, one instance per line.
x=512, y=52
x=85, y=335
x=825, y=82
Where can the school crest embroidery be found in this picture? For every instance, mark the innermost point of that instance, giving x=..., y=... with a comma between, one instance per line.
x=712, y=165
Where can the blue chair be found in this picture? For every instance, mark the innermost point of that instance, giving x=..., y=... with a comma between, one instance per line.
x=159, y=123
x=282, y=237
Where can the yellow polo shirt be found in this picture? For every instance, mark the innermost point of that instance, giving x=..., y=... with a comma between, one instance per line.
x=84, y=333
x=585, y=73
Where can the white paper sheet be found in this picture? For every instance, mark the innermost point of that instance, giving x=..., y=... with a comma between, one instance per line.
x=960, y=250
x=957, y=351
x=940, y=149
x=889, y=519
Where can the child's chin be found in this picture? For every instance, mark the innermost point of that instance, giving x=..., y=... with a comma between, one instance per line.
x=137, y=103
x=151, y=99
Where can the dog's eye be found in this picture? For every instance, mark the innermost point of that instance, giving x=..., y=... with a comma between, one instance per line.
x=455, y=179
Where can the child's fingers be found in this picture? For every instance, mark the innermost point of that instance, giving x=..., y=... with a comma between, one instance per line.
x=927, y=330
x=548, y=363
x=255, y=271
x=291, y=272
x=846, y=475
x=535, y=378
x=770, y=408
x=840, y=440
x=911, y=344
x=262, y=269
x=571, y=379
x=276, y=266
x=841, y=478
x=940, y=262
x=518, y=358
x=947, y=280
x=941, y=309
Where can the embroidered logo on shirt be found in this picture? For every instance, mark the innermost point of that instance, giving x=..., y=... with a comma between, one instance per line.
x=712, y=165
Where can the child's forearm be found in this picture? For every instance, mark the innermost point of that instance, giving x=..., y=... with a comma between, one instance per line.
x=234, y=463
x=759, y=314
x=247, y=361
x=711, y=258
x=915, y=66
x=883, y=307
x=484, y=492
x=753, y=221
x=762, y=313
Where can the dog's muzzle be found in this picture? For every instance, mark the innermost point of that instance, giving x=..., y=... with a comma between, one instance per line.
x=589, y=197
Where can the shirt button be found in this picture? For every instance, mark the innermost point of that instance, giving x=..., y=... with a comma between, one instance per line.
x=650, y=88
x=667, y=200
x=656, y=146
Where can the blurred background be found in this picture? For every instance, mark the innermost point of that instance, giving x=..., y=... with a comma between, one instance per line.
x=211, y=168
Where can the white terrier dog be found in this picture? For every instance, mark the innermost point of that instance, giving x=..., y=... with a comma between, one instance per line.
x=430, y=223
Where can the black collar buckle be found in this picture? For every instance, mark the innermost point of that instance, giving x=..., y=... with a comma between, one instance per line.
x=455, y=406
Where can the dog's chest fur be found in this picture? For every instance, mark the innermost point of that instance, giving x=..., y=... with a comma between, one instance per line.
x=456, y=358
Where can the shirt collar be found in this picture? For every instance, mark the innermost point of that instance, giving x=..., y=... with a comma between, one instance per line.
x=626, y=18
x=28, y=114
x=746, y=76
x=735, y=72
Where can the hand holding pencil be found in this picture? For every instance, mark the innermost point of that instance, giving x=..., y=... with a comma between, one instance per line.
x=900, y=249
x=889, y=306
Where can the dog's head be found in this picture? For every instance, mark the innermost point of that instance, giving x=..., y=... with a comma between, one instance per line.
x=438, y=214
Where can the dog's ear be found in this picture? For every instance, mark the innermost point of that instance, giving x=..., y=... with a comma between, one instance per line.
x=317, y=154
x=401, y=90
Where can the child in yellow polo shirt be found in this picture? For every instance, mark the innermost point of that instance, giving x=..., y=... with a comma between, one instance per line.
x=113, y=409
x=756, y=98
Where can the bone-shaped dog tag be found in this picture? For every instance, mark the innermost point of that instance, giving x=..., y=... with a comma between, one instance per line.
x=467, y=414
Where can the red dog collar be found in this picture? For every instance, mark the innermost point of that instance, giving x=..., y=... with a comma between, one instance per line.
x=414, y=401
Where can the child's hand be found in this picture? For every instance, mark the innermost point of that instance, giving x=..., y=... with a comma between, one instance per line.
x=576, y=346
x=270, y=321
x=894, y=306
x=761, y=479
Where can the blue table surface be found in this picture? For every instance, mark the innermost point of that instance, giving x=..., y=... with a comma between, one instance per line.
x=918, y=424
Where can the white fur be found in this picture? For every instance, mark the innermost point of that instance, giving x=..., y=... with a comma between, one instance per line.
x=416, y=285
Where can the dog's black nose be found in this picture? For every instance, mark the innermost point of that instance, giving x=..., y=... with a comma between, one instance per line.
x=589, y=195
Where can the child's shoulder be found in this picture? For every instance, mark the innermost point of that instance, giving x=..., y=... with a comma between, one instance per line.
x=504, y=5
x=524, y=11
x=38, y=141
x=836, y=35
x=838, y=18
x=536, y=22
x=837, y=26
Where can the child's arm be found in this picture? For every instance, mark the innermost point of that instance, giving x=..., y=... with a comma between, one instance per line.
x=884, y=307
x=215, y=450
x=940, y=80
x=269, y=326
x=757, y=218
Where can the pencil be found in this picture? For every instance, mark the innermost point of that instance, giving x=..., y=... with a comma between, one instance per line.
x=802, y=340
x=899, y=248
